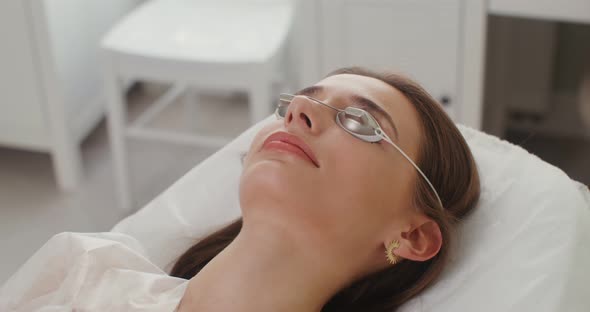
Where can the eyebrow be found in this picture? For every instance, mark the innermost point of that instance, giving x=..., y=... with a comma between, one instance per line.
x=359, y=101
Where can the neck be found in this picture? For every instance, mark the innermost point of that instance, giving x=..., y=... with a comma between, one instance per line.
x=264, y=269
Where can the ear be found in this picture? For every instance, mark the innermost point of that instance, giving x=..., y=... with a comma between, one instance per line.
x=421, y=241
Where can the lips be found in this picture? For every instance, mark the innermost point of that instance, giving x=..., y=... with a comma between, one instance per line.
x=292, y=144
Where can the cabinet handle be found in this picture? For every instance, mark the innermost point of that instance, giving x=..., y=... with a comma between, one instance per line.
x=445, y=100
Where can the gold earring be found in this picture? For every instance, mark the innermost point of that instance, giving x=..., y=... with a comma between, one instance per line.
x=393, y=259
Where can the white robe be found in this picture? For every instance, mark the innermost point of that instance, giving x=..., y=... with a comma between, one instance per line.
x=91, y=272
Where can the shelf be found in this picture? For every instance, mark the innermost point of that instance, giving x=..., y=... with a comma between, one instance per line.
x=562, y=120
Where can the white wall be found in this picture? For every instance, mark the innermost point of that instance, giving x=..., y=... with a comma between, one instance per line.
x=76, y=28
x=22, y=123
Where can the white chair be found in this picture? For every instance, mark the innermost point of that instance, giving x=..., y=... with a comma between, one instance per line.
x=215, y=44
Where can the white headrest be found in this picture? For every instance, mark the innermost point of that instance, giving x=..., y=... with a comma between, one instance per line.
x=526, y=247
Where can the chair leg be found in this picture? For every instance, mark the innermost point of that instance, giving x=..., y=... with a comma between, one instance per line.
x=260, y=101
x=67, y=163
x=116, y=120
x=65, y=150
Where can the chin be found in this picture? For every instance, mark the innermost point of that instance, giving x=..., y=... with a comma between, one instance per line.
x=272, y=180
x=266, y=176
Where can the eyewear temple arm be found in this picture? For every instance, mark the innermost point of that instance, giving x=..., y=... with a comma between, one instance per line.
x=388, y=140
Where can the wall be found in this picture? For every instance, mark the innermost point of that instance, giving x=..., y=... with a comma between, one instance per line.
x=22, y=122
x=75, y=29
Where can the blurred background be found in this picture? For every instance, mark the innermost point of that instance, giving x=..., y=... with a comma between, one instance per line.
x=104, y=104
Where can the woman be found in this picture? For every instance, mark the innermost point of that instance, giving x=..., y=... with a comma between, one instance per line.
x=348, y=203
x=341, y=210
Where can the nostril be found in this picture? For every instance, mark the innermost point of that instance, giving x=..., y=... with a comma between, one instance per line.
x=307, y=120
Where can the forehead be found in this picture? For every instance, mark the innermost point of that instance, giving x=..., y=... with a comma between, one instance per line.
x=400, y=109
x=347, y=85
x=365, y=86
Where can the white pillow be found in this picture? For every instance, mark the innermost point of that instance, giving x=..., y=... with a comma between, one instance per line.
x=524, y=248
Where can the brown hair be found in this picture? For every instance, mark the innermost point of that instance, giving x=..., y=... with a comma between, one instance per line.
x=446, y=160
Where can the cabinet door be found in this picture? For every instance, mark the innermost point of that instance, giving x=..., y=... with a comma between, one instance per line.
x=419, y=38
x=22, y=121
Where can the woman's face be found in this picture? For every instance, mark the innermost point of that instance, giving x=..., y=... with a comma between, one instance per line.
x=359, y=192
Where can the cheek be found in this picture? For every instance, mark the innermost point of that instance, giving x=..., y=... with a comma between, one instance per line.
x=360, y=186
x=367, y=183
x=357, y=169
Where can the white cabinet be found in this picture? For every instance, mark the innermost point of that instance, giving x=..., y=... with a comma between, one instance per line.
x=50, y=86
x=433, y=41
x=22, y=120
x=417, y=37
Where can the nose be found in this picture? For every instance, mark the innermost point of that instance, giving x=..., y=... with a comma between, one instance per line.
x=304, y=114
